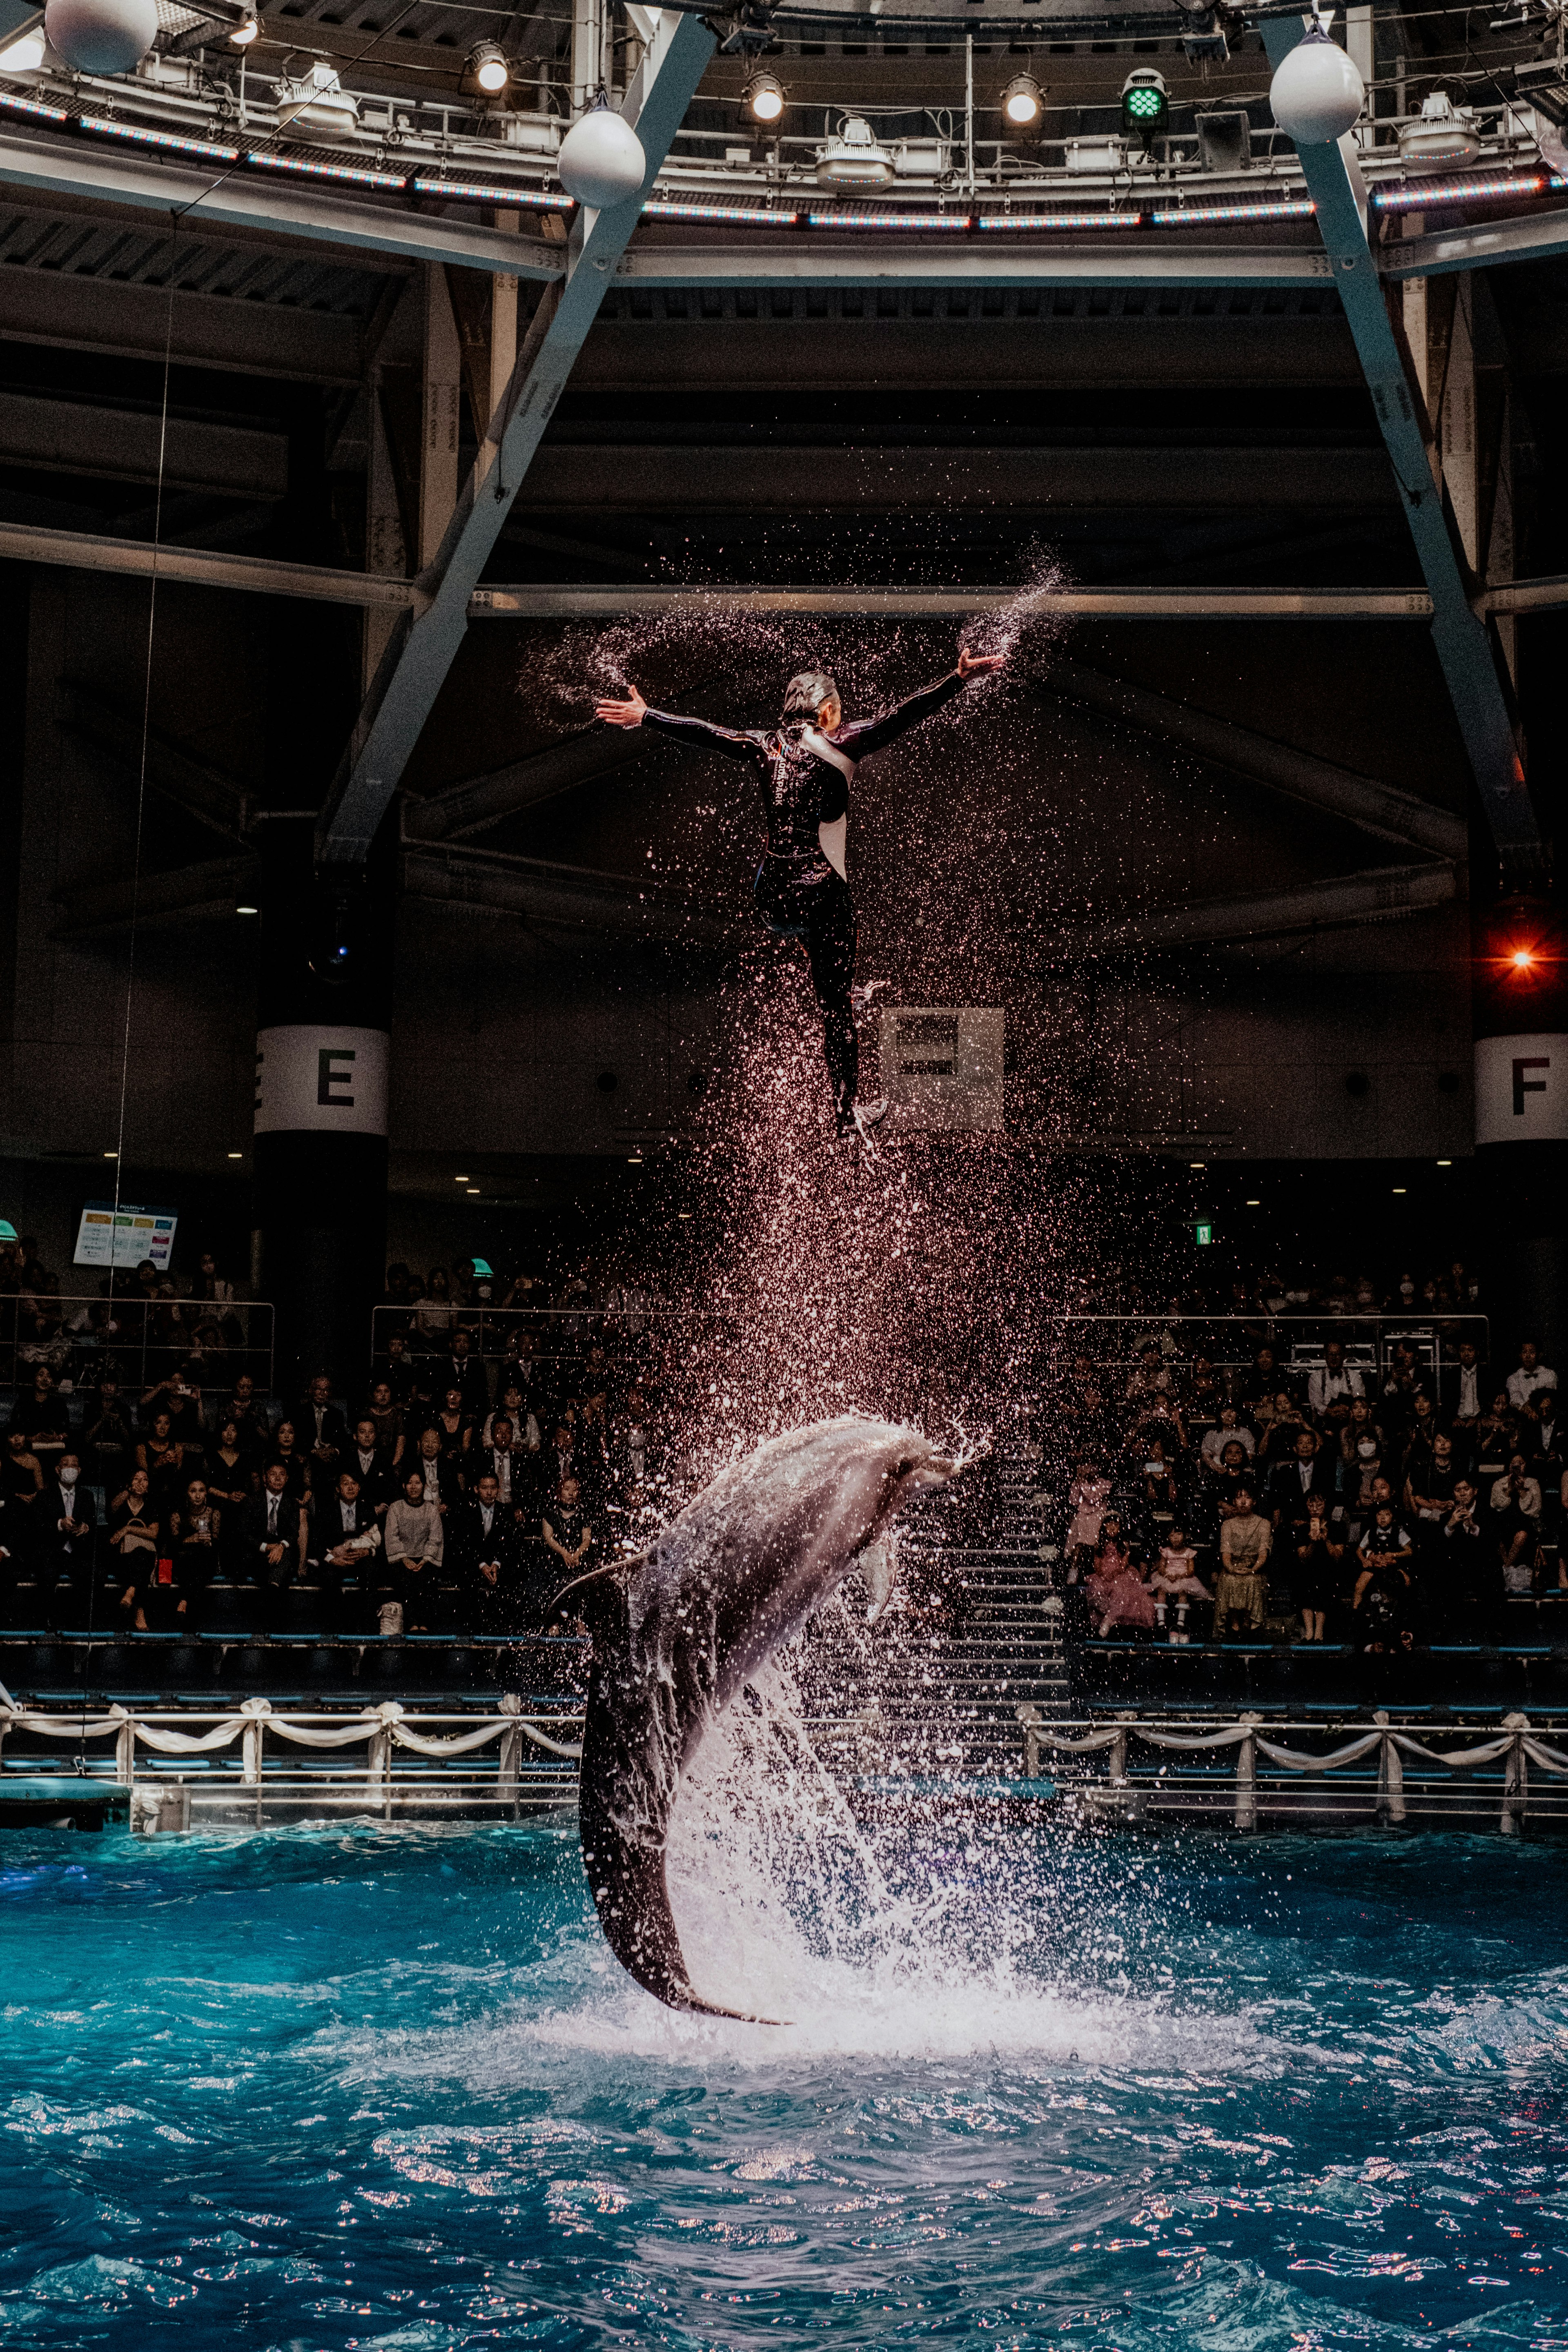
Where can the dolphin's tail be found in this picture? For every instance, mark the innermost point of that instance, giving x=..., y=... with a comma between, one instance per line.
x=633, y=1903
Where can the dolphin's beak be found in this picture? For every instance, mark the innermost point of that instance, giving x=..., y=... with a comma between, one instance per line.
x=920, y=1478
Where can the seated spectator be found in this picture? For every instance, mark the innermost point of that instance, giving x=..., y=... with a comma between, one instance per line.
x=274, y=1531
x=23, y=1487
x=455, y=1426
x=373, y=1467
x=1260, y=1382
x=1230, y=1430
x=43, y=1418
x=1150, y=1376
x=1384, y=1600
x=1430, y=1477
x=68, y=1534
x=1462, y=1574
x=567, y=1532
x=108, y=1439
x=1241, y=1593
x=1518, y=1493
x=133, y=1532
x=1532, y=1378
x=434, y=1315
x=1287, y=1423
x=1158, y=1479
x=1117, y=1591
x=465, y=1372
x=395, y=1372
x=1334, y=1388
x=490, y=1558
x=286, y=1451
x=1497, y=1438
x=180, y=1399
x=325, y=1433
x=1320, y=1554
x=1516, y=1529
x=1087, y=1499
x=416, y=1547
x=232, y=1480
x=1205, y=1394
x=1292, y=1484
x=437, y=1472
x=1465, y=1386
x=162, y=1458
x=248, y=1411
x=193, y=1543
x=345, y=1531
x=501, y=1460
x=391, y=1426
x=1176, y=1588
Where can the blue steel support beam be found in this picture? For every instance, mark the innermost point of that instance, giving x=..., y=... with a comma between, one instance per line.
x=422, y=649
x=1463, y=645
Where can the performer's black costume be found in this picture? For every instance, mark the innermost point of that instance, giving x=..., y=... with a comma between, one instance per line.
x=805, y=776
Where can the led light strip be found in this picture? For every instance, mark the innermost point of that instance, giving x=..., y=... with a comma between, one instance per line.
x=160, y=138
x=1060, y=220
x=888, y=220
x=33, y=106
x=475, y=194
x=1301, y=210
x=327, y=171
x=1412, y=197
x=754, y=216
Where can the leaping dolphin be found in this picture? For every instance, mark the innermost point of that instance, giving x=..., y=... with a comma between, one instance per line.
x=677, y=1629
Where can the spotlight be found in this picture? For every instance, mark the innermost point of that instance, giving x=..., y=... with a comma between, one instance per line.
x=763, y=96
x=244, y=33
x=1021, y=102
x=488, y=68
x=1145, y=105
x=1522, y=958
x=247, y=910
x=339, y=922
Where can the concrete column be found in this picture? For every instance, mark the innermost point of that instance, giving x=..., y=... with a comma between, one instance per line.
x=324, y=1001
x=443, y=410
x=1521, y=1003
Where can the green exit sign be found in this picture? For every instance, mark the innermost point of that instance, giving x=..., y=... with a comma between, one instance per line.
x=1202, y=1232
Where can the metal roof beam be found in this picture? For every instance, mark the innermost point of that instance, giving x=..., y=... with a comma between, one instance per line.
x=237, y=199
x=420, y=652
x=564, y=897
x=1377, y=897
x=1464, y=647
x=75, y=310
x=211, y=798
x=878, y=258
x=573, y=602
x=200, y=567
x=191, y=894
x=1442, y=251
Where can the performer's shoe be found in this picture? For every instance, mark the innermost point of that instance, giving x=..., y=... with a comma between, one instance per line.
x=866, y=1116
x=862, y=994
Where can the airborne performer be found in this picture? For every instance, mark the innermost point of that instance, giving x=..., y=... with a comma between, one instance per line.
x=805, y=767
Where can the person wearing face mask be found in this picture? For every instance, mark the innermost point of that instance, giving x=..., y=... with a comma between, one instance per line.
x=69, y=1512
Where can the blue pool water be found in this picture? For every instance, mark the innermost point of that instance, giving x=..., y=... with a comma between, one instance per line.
x=362, y=2087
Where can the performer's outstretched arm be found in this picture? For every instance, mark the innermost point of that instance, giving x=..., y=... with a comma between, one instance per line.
x=635, y=712
x=868, y=735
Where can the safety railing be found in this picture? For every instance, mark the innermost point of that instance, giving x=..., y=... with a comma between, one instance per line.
x=445, y=1767
x=84, y=1338
x=1377, y=1755
x=1229, y=1343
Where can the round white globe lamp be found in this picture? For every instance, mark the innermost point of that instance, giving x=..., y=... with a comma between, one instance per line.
x=601, y=161
x=1317, y=94
x=101, y=37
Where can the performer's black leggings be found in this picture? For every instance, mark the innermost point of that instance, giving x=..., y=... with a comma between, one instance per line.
x=823, y=914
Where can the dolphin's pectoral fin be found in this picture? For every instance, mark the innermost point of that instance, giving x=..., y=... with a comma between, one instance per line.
x=631, y=1897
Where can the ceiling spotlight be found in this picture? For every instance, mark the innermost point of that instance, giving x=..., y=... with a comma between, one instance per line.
x=487, y=68
x=247, y=910
x=1145, y=104
x=236, y=1155
x=1021, y=102
x=1522, y=958
x=763, y=96
x=244, y=33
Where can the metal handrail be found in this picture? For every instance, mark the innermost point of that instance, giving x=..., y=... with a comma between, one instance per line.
x=141, y=1354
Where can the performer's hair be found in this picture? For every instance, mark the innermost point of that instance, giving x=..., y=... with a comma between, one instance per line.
x=806, y=692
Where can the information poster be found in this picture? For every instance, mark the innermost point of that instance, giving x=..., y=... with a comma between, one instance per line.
x=124, y=1236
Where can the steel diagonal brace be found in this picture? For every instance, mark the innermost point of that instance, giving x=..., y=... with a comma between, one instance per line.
x=422, y=650
x=1463, y=645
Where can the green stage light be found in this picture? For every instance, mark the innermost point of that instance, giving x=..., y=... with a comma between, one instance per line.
x=1145, y=105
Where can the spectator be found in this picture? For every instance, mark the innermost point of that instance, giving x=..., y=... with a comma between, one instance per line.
x=23, y=1485
x=245, y=1410
x=1516, y=1493
x=455, y=1426
x=1463, y=1575
x=395, y=1372
x=295, y=1467
x=325, y=1433
x=69, y=1533
x=1118, y=1593
x=109, y=1440
x=391, y=1428
x=437, y=1473
x=209, y=1285
x=162, y=1458
x=1496, y=1437
x=416, y=1548
x=1292, y=1484
x=232, y=1481
x=194, y=1540
x=1260, y=1380
x=490, y=1555
x=1245, y=1539
x=373, y=1467
x=43, y=1418
x=434, y=1314
x=1516, y=1528
x=566, y=1532
x=180, y=1397
x=1334, y=1388
x=1465, y=1386
x=1230, y=1431
x=1087, y=1499
x=346, y=1531
x=1527, y=1383
x=1176, y=1586
x=1319, y=1553
x=501, y=1461
x=465, y=1372
x=274, y=1531
x=1430, y=1477
x=1383, y=1597
x=133, y=1531
x=1287, y=1423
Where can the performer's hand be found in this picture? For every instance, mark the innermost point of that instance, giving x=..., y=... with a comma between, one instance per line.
x=628, y=713
x=969, y=663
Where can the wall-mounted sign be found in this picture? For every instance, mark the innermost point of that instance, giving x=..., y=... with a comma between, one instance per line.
x=124, y=1236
